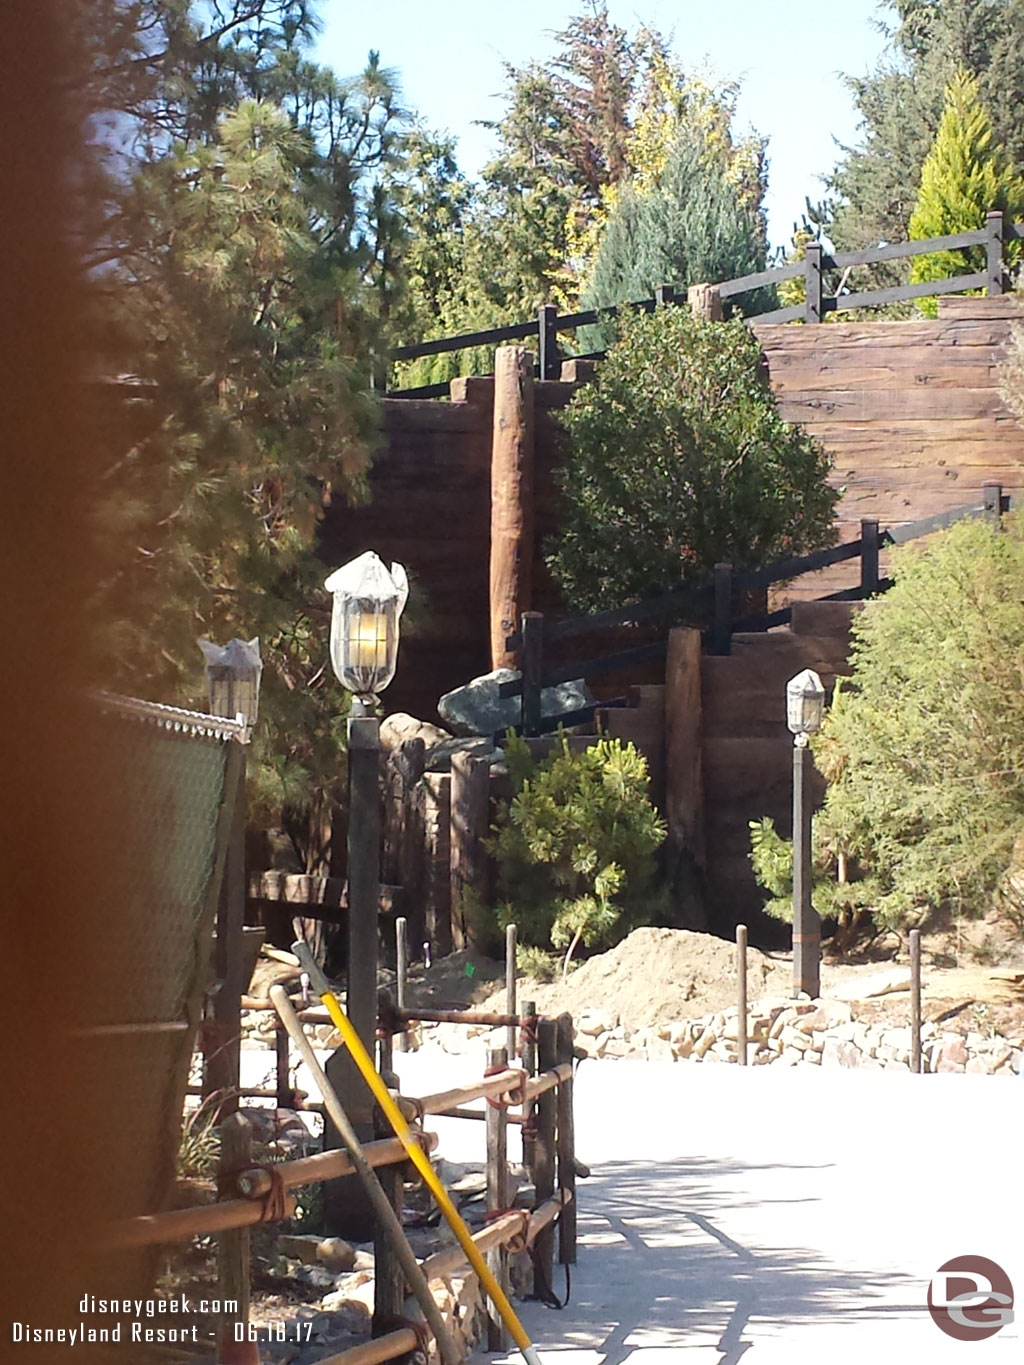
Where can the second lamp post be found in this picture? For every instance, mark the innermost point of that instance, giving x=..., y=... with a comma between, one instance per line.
x=805, y=708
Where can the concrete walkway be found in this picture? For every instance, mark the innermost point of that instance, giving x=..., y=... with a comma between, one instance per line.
x=780, y=1216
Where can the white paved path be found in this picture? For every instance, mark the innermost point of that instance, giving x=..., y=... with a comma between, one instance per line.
x=784, y=1216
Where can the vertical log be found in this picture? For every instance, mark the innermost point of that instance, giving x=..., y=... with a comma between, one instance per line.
x=401, y=973
x=915, y=1000
x=566, y=1146
x=665, y=294
x=992, y=496
x=497, y=1198
x=544, y=1153
x=869, y=556
x=813, y=310
x=705, y=302
x=233, y=1246
x=994, y=228
x=511, y=948
x=470, y=808
x=722, y=631
x=511, y=497
x=684, y=780
x=550, y=362
x=529, y=1063
x=282, y=1060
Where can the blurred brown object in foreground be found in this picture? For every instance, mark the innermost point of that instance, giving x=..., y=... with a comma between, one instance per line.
x=58, y=1134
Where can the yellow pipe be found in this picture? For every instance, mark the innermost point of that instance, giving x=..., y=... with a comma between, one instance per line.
x=416, y=1153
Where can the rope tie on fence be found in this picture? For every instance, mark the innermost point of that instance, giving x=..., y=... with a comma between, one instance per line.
x=274, y=1202
x=529, y=1125
x=516, y=1095
x=517, y=1242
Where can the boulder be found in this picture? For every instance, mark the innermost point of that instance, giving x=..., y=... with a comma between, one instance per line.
x=396, y=729
x=439, y=756
x=476, y=708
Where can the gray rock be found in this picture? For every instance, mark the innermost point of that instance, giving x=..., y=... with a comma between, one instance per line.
x=476, y=708
x=439, y=757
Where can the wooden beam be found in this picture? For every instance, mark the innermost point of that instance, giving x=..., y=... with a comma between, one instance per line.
x=512, y=455
x=313, y=894
x=470, y=817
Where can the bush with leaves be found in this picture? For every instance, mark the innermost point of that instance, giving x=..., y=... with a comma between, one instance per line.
x=575, y=845
x=925, y=754
x=677, y=458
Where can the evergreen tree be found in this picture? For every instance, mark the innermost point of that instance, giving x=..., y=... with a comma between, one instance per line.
x=963, y=177
x=874, y=188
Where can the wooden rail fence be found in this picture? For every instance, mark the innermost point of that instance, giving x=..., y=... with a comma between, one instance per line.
x=713, y=607
x=540, y=1088
x=813, y=270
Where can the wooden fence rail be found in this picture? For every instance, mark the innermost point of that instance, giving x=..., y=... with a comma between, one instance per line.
x=817, y=304
x=712, y=606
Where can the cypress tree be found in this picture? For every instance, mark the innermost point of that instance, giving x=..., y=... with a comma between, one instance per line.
x=963, y=177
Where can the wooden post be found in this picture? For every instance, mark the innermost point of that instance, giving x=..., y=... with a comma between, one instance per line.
x=389, y=1286
x=511, y=948
x=497, y=1198
x=566, y=1146
x=868, y=556
x=511, y=497
x=806, y=922
x=550, y=365
x=722, y=632
x=813, y=283
x=915, y=1001
x=992, y=496
x=665, y=294
x=684, y=780
x=282, y=1059
x=224, y=1054
x=544, y=1151
x=233, y=1246
x=705, y=302
x=401, y=973
x=994, y=253
x=469, y=811
x=532, y=629
x=741, y=993
x=529, y=1064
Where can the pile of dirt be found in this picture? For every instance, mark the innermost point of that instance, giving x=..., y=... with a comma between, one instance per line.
x=655, y=976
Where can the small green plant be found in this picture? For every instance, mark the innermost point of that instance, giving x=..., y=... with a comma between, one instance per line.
x=833, y=895
x=538, y=964
x=575, y=845
x=200, y=1142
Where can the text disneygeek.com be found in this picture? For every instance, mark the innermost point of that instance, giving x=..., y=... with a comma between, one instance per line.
x=136, y=1324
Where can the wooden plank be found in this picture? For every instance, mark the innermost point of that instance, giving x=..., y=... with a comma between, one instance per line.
x=884, y=405
x=909, y=373
x=298, y=888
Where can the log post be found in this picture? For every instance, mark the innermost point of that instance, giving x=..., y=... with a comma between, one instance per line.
x=544, y=1154
x=566, y=1143
x=915, y=1001
x=994, y=229
x=233, y=1246
x=511, y=949
x=532, y=630
x=684, y=780
x=705, y=302
x=992, y=496
x=869, y=541
x=741, y=994
x=469, y=811
x=497, y=1197
x=813, y=310
x=550, y=362
x=282, y=1060
x=511, y=497
x=401, y=973
x=529, y=1063
x=722, y=631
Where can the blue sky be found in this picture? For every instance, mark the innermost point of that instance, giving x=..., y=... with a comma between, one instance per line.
x=789, y=57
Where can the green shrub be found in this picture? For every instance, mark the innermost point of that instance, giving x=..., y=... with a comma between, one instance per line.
x=575, y=845
x=677, y=458
x=925, y=754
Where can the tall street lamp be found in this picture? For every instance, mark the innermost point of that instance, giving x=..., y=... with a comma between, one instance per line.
x=805, y=709
x=367, y=603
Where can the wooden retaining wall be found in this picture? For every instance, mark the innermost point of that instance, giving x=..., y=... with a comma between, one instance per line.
x=910, y=410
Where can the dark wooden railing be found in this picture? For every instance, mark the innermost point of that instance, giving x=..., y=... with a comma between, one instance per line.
x=712, y=607
x=816, y=306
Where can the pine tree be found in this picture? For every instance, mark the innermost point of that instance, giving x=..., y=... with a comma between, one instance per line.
x=963, y=177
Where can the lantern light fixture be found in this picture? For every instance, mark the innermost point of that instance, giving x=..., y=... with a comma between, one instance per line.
x=805, y=704
x=367, y=603
x=233, y=673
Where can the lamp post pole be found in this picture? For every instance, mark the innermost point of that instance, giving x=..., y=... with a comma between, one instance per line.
x=348, y=1211
x=806, y=921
